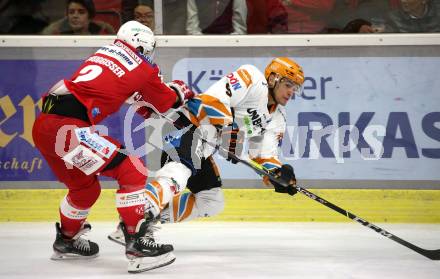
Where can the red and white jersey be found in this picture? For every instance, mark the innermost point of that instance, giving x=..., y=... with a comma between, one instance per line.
x=114, y=73
x=242, y=97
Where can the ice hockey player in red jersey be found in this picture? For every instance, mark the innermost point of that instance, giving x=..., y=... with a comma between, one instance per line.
x=65, y=135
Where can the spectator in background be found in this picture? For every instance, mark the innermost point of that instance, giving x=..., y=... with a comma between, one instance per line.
x=359, y=26
x=174, y=17
x=415, y=16
x=144, y=14
x=359, y=16
x=308, y=16
x=216, y=17
x=127, y=9
x=79, y=21
x=22, y=17
x=266, y=16
x=173, y=14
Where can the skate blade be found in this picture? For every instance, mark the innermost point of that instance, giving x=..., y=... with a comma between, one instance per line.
x=137, y=265
x=57, y=256
x=116, y=239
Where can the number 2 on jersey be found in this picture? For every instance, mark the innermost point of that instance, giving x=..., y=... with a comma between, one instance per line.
x=88, y=73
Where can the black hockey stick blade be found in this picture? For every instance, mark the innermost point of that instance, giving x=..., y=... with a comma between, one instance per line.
x=432, y=254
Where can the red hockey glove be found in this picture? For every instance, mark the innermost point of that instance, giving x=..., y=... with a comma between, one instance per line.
x=182, y=91
x=138, y=102
x=145, y=112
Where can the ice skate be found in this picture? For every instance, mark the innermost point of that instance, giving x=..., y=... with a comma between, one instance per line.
x=75, y=247
x=117, y=236
x=142, y=252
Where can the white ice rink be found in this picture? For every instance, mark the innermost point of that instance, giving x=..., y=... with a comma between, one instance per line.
x=234, y=250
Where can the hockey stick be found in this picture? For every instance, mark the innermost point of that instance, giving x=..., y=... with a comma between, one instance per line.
x=431, y=254
x=259, y=169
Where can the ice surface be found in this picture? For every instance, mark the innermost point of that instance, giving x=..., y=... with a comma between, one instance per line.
x=234, y=250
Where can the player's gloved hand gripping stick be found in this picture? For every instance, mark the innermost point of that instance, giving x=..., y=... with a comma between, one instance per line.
x=279, y=181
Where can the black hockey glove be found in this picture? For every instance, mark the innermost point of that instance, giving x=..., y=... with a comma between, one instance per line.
x=232, y=142
x=286, y=174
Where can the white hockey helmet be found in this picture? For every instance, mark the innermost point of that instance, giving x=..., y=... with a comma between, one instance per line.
x=138, y=36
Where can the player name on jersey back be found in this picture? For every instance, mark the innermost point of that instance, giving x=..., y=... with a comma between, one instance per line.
x=107, y=63
x=125, y=57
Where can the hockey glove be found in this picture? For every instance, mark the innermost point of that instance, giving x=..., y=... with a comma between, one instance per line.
x=232, y=141
x=137, y=101
x=286, y=174
x=182, y=90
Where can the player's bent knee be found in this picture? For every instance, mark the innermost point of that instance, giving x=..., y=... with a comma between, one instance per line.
x=85, y=197
x=175, y=172
x=210, y=202
x=131, y=174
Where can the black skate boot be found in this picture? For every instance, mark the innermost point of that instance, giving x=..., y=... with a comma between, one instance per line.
x=142, y=252
x=118, y=236
x=75, y=247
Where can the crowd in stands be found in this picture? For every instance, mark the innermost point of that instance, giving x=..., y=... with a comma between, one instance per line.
x=198, y=17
